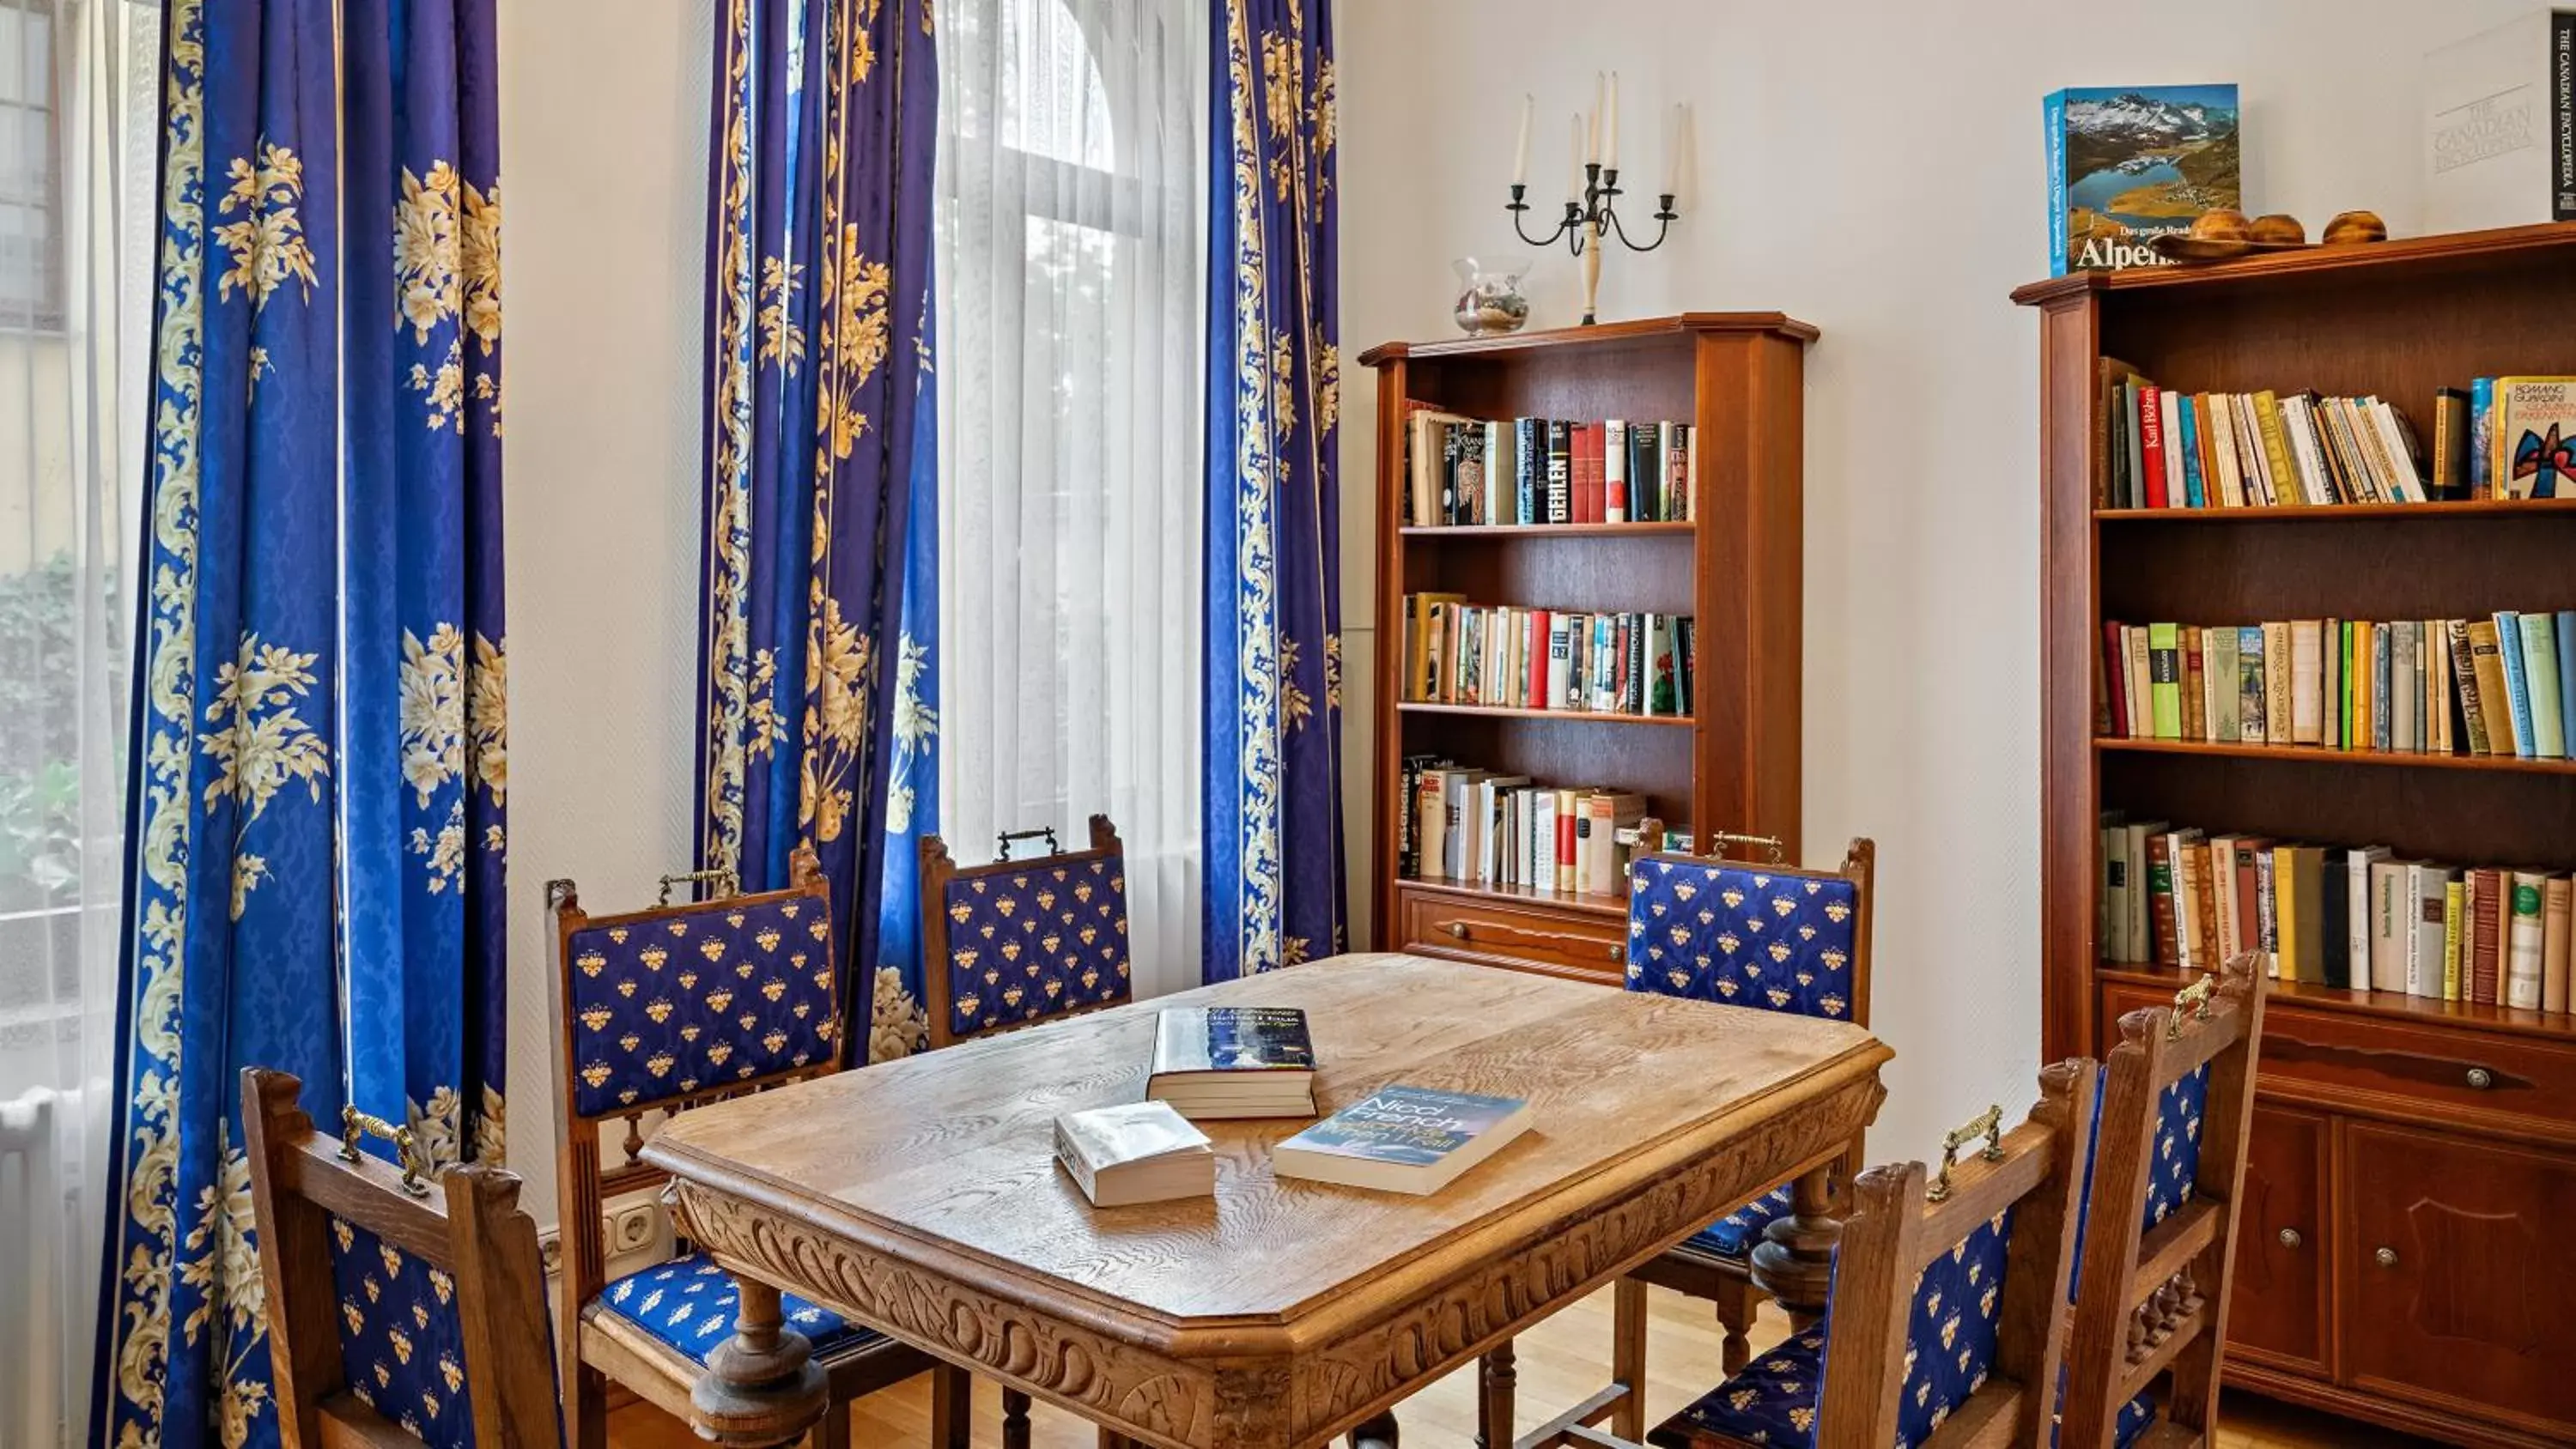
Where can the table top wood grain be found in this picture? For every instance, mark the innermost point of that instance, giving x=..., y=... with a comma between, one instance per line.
x=922, y=1194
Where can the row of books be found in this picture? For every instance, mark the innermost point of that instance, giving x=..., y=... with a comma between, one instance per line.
x=1513, y=657
x=1495, y=829
x=1539, y=471
x=2499, y=438
x=2501, y=686
x=2166, y=449
x=2335, y=916
x=1228, y=1062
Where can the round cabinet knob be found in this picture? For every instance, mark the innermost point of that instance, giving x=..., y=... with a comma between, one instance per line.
x=2387, y=1257
x=1457, y=929
x=2480, y=1079
x=1618, y=952
x=2290, y=1238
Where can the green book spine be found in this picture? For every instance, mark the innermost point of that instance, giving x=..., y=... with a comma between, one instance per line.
x=2164, y=679
x=2540, y=670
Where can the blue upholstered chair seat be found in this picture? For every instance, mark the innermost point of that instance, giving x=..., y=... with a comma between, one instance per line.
x=1734, y=1235
x=688, y=1303
x=1773, y=1402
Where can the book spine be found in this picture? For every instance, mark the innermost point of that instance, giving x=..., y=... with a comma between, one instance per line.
x=2481, y=437
x=2151, y=447
x=2540, y=673
x=2557, y=948
x=2562, y=115
x=1529, y=468
x=1560, y=473
x=2252, y=697
x=2195, y=488
x=2454, y=907
x=1568, y=808
x=2194, y=697
x=2053, y=117
x=2522, y=978
x=1614, y=471
x=2486, y=935
x=2276, y=683
x=2160, y=899
x=2563, y=629
x=2164, y=665
x=2517, y=689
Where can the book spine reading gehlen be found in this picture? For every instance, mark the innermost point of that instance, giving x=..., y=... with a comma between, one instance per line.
x=1560, y=473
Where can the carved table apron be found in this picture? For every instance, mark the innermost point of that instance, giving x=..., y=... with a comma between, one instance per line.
x=919, y=1197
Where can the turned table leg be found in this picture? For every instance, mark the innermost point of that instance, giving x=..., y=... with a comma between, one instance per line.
x=1496, y=1380
x=1794, y=1262
x=761, y=1388
x=1375, y=1433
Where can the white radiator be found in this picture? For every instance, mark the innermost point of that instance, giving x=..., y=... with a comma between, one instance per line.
x=32, y=1353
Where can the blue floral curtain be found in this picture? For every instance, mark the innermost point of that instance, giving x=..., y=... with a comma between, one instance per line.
x=1274, y=642
x=314, y=816
x=819, y=433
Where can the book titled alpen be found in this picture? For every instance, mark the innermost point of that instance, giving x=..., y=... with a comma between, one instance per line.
x=1234, y=1061
x=1134, y=1152
x=1403, y=1139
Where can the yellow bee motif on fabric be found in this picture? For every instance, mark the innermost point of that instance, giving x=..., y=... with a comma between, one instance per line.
x=712, y=949
x=746, y=1021
x=659, y=1064
x=769, y=938
x=688, y=981
x=1986, y=1302
x=626, y=988
x=594, y=1075
x=1006, y=905
x=1734, y=898
x=1950, y=1331
x=718, y=1053
x=1011, y=951
x=591, y=963
x=1088, y=934
x=1802, y=1418
x=743, y=969
x=658, y=1010
x=1833, y=959
x=352, y=1315
x=1049, y=942
x=966, y=1005
x=774, y=1043
x=1782, y=906
x=1779, y=952
x=735, y=919
x=1054, y=988
x=958, y=911
x=789, y=909
x=691, y=1032
x=1011, y=995
x=384, y=1376
x=1728, y=943
x=819, y=929
x=617, y=934
x=772, y=989
x=401, y=1342
x=1046, y=900
x=1806, y=933
x=653, y=957
x=1680, y=935
x=629, y=1042
x=595, y=1018
x=677, y=929
x=1838, y=911
x=1777, y=996
x=1683, y=891
x=452, y=1373
x=719, y=999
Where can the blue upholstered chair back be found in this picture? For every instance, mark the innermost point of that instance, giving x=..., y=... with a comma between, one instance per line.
x=1766, y=936
x=1021, y=941
x=401, y=1344
x=671, y=1003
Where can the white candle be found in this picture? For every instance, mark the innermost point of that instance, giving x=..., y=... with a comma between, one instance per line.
x=1673, y=154
x=1574, y=163
x=1520, y=155
x=1592, y=135
x=1610, y=125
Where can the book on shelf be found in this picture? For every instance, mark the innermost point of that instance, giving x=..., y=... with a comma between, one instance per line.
x=1535, y=472
x=2499, y=131
x=1233, y=1061
x=1510, y=832
x=1515, y=657
x=2333, y=915
x=1403, y=1139
x=1135, y=1152
x=2163, y=449
x=2499, y=686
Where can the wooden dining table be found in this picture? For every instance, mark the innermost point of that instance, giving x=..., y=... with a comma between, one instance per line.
x=921, y=1198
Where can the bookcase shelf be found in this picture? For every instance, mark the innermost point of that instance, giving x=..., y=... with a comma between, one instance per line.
x=2310, y=755
x=1737, y=571
x=2334, y=513
x=2373, y=1109
x=1595, y=716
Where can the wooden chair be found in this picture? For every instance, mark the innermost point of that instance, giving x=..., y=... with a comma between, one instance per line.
x=1769, y=936
x=2177, y=1108
x=660, y=1010
x=1016, y=942
x=401, y=1311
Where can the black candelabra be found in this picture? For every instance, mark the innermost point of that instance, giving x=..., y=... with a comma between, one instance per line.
x=1588, y=225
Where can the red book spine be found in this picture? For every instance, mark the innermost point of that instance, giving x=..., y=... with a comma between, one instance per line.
x=1565, y=823
x=1538, y=623
x=2115, y=678
x=1589, y=505
x=2486, y=938
x=2151, y=443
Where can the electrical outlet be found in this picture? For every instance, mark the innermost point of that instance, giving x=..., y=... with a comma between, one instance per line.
x=550, y=1251
x=631, y=1228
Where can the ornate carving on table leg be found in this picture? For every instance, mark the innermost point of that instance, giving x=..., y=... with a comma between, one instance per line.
x=761, y=1387
x=1496, y=1380
x=1376, y=1432
x=1794, y=1262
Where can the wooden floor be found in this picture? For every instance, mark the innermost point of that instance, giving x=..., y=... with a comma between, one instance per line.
x=1560, y=1362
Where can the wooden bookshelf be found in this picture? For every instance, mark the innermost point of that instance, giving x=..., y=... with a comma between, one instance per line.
x=2403, y=1257
x=1733, y=763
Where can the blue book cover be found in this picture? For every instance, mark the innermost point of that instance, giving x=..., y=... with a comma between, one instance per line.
x=2567, y=672
x=2127, y=164
x=2186, y=408
x=1403, y=1139
x=2517, y=685
x=2481, y=436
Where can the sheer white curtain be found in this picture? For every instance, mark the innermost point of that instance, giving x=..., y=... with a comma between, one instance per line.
x=1071, y=171
x=78, y=129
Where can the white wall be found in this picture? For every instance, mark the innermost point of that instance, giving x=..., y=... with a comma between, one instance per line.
x=1873, y=167
x=603, y=161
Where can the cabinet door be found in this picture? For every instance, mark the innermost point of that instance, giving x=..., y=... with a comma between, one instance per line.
x=2460, y=1274
x=2278, y=1311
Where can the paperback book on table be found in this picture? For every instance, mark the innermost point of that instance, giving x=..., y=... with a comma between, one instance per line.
x=1403, y=1139
x=1233, y=1061
x=1135, y=1152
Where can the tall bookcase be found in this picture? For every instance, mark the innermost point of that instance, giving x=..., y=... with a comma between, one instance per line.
x=1731, y=765
x=2404, y=1251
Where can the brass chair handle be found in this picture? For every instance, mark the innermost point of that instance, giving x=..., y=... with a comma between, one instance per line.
x=1988, y=1124
x=2480, y=1079
x=725, y=882
x=1773, y=851
x=2290, y=1238
x=2387, y=1257
x=355, y=1124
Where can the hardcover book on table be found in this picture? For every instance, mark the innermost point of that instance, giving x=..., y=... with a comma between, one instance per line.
x=1403, y=1139
x=1233, y=1061
x=2127, y=164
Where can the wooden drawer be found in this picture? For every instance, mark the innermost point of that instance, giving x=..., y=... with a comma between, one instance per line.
x=2346, y=1061
x=1570, y=941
